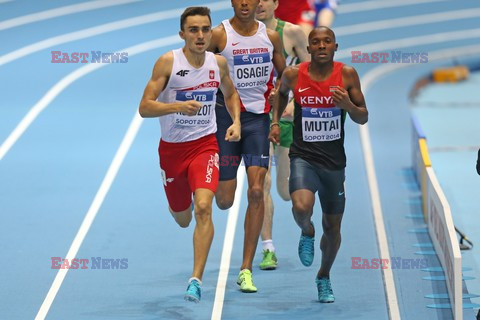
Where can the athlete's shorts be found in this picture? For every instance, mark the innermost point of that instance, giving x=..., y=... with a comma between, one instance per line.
x=328, y=183
x=254, y=146
x=188, y=166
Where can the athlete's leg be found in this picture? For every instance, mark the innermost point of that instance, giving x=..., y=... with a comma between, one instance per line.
x=332, y=198
x=226, y=193
x=330, y=242
x=268, y=202
x=303, y=184
x=203, y=175
x=203, y=234
x=254, y=215
x=282, y=164
x=230, y=158
x=325, y=17
x=303, y=201
x=182, y=218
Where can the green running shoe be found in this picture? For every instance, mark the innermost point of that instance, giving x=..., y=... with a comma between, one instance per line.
x=269, y=261
x=245, y=281
x=325, y=292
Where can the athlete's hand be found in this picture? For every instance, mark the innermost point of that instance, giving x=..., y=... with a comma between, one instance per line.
x=190, y=107
x=274, y=134
x=341, y=98
x=271, y=96
x=233, y=133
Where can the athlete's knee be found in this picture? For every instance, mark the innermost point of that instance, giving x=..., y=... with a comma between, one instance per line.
x=183, y=223
x=202, y=208
x=332, y=229
x=302, y=207
x=224, y=203
x=255, y=194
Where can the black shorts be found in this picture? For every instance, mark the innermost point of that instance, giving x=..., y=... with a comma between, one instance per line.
x=253, y=147
x=328, y=183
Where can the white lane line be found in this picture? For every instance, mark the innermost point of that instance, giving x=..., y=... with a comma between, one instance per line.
x=389, y=282
x=227, y=248
x=367, y=81
x=92, y=212
x=3, y=1
x=101, y=29
x=407, y=21
x=62, y=11
x=411, y=42
x=64, y=83
x=112, y=170
x=379, y=4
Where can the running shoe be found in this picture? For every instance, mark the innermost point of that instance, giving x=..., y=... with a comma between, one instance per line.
x=325, y=292
x=269, y=261
x=306, y=249
x=194, y=292
x=245, y=281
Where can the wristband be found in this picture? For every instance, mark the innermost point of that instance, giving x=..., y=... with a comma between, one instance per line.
x=274, y=124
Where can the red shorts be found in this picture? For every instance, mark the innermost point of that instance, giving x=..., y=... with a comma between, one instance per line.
x=188, y=166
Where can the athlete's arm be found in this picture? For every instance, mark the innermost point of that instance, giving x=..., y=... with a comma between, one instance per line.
x=219, y=39
x=297, y=37
x=288, y=82
x=278, y=62
x=278, y=58
x=351, y=98
x=232, y=99
x=149, y=106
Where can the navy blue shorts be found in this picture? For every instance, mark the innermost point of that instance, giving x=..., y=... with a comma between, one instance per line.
x=253, y=147
x=328, y=183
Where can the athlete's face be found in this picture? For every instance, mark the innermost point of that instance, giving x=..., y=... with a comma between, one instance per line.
x=266, y=9
x=197, y=33
x=245, y=9
x=322, y=44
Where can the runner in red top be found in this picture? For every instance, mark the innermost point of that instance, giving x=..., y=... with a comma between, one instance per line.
x=325, y=92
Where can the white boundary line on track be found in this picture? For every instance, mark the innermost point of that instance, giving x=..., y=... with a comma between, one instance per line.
x=411, y=42
x=407, y=21
x=379, y=4
x=367, y=81
x=227, y=247
x=101, y=29
x=153, y=17
x=61, y=11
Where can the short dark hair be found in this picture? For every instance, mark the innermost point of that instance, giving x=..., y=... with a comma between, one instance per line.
x=194, y=11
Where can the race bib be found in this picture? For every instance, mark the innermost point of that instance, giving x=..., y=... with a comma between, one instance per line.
x=204, y=114
x=251, y=70
x=321, y=124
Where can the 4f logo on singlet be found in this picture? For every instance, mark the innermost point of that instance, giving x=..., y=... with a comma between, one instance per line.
x=321, y=124
x=182, y=73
